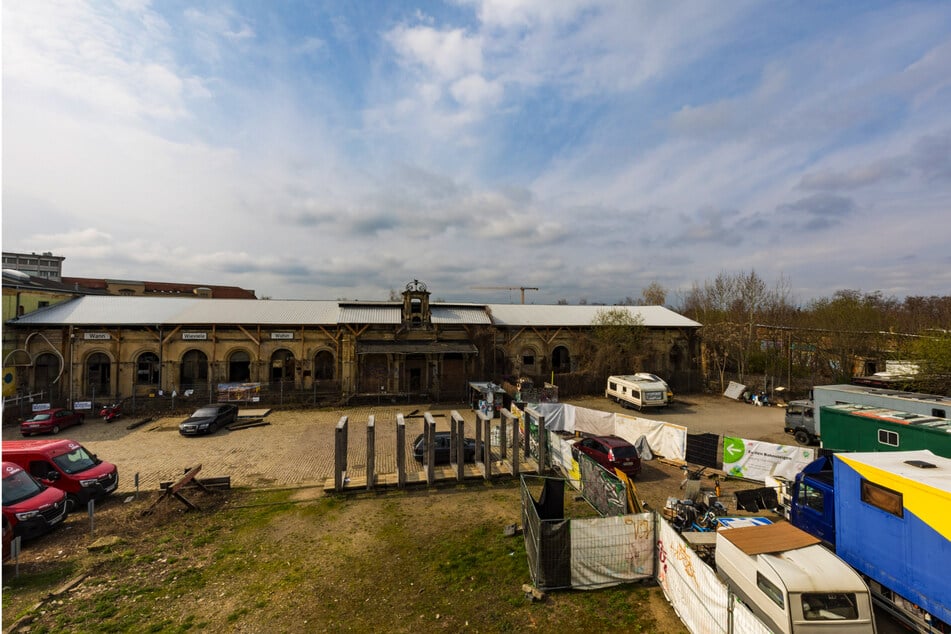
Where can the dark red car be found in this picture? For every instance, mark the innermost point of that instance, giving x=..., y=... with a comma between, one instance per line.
x=51, y=420
x=611, y=453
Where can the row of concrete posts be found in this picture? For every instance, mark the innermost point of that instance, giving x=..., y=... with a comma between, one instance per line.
x=508, y=428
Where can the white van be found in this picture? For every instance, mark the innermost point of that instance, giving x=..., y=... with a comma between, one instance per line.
x=794, y=585
x=638, y=390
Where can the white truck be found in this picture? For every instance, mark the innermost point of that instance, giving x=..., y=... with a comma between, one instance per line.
x=638, y=390
x=791, y=582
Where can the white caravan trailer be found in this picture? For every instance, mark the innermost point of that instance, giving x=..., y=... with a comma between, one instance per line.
x=638, y=390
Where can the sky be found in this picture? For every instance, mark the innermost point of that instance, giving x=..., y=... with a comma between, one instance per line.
x=341, y=149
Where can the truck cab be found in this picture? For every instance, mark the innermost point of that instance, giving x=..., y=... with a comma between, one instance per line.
x=801, y=422
x=812, y=506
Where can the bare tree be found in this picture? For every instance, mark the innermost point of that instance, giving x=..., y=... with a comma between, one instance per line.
x=616, y=343
x=654, y=294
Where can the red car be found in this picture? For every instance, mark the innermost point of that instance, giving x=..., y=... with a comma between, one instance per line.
x=611, y=453
x=51, y=420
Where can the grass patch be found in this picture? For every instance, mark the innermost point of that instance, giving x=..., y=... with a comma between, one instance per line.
x=401, y=562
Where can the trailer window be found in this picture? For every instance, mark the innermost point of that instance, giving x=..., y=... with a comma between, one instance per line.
x=882, y=498
x=770, y=589
x=886, y=437
x=838, y=606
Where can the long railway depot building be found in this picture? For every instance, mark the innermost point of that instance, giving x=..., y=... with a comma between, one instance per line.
x=98, y=347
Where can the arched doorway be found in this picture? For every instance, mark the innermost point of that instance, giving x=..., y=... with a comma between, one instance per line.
x=324, y=366
x=98, y=375
x=147, y=371
x=193, y=372
x=46, y=370
x=560, y=360
x=283, y=366
x=239, y=367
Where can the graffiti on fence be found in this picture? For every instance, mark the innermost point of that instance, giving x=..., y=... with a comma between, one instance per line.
x=601, y=489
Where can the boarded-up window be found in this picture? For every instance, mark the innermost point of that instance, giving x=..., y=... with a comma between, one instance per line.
x=882, y=498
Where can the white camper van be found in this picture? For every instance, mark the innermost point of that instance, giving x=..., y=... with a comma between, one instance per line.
x=794, y=585
x=638, y=390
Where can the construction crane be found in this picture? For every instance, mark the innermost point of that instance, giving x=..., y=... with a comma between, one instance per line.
x=507, y=288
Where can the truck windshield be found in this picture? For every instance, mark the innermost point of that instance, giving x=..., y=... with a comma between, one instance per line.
x=18, y=487
x=75, y=461
x=833, y=606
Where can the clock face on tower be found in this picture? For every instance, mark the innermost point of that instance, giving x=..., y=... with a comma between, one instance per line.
x=416, y=286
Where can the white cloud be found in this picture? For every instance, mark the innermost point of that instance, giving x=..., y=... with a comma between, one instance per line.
x=475, y=91
x=448, y=54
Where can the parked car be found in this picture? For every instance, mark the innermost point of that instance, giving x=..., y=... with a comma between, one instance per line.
x=441, y=444
x=208, y=419
x=31, y=508
x=611, y=453
x=51, y=420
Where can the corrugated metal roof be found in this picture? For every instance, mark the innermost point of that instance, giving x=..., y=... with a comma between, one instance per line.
x=121, y=310
x=378, y=314
x=460, y=315
x=560, y=315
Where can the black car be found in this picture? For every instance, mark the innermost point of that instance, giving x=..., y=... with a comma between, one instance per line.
x=207, y=419
x=442, y=448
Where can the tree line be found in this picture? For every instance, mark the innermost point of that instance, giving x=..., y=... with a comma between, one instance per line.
x=755, y=333
x=754, y=330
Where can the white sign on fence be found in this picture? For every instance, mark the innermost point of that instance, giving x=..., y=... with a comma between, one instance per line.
x=40, y=407
x=755, y=460
x=78, y=405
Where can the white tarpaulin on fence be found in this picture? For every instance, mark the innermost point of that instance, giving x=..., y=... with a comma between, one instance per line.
x=756, y=460
x=558, y=416
x=594, y=422
x=692, y=588
x=665, y=439
x=606, y=551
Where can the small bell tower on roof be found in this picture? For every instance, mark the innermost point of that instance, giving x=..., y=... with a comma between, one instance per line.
x=416, y=313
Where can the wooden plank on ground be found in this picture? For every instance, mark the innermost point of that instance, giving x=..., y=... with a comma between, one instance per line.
x=254, y=413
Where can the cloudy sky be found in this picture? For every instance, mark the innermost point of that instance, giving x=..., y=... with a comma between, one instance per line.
x=339, y=149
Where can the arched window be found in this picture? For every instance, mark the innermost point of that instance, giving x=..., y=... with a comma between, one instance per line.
x=282, y=366
x=560, y=360
x=324, y=366
x=98, y=375
x=147, y=368
x=194, y=370
x=239, y=367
